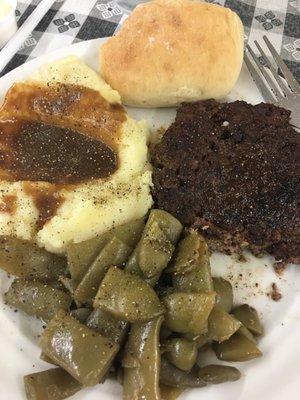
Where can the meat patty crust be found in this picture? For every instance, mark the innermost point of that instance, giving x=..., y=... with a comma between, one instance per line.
x=232, y=171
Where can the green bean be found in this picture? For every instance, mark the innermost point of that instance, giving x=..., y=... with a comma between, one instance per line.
x=82, y=352
x=55, y=285
x=203, y=340
x=130, y=233
x=199, y=340
x=188, y=312
x=134, y=277
x=127, y=297
x=237, y=348
x=169, y=229
x=156, y=246
x=175, y=377
x=221, y=325
x=218, y=374
x=129, y=360
x=172, y=228
x=108, y=329
x=142, y=361
x=26, y=260
x=191, y=252
x=53, y=384
x=169, y=224
x=107, y=325
x=47, y=359
x=114, y=252
x=163, y=291
x=155, y=250
x=244, y=331
x=191, y=270
x=224, y=292
x=165, y=333
x=133, y=267
x=195, y=281
x=81, y=314
x=249, y=318
x=118, y=373
x=81, y=255
x=180, y=352
x=68, y=284
x=170, y=393
x=37, y=298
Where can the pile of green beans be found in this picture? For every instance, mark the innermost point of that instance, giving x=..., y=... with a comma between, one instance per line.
x=138, y=303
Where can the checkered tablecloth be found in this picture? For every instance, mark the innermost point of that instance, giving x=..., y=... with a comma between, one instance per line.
x=71, y=21
x=24, y=9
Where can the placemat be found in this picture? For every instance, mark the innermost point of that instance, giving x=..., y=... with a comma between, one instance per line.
x=24, y=9
x=71, y=21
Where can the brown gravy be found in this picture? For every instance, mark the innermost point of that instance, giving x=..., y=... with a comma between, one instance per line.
x=8, y=204
x=59, y=134
x=35, y=151
x=46, y=199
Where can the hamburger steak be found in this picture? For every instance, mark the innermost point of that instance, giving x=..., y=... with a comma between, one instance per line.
x=232, y=171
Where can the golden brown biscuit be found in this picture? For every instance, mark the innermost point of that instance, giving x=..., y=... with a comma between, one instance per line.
x=170, y=51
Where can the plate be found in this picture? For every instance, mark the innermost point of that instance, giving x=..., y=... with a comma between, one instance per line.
x=272, y=377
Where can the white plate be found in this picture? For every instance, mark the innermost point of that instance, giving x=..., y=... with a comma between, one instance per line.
x=273, y=377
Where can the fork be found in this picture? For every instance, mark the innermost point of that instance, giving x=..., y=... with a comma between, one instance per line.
x=281, y=92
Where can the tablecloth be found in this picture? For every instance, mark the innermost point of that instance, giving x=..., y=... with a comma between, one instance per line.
x=24, y=10
x=72, y=21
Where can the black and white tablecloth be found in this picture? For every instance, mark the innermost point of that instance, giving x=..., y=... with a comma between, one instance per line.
x=72, y=21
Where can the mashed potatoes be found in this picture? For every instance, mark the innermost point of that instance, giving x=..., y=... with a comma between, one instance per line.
x=91, y=207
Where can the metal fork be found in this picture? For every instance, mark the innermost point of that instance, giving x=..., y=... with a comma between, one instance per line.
x=281, y=92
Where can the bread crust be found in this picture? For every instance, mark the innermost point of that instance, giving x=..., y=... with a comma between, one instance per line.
x=170, y=51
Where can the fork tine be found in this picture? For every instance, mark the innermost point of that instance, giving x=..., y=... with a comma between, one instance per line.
x=282, y=86
x=259, y=81
x=272, y=85
x=283, y=67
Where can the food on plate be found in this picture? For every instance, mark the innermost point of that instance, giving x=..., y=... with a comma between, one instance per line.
x=174, y=377
x=180, y=352
x=231, y=170
x=37, y=298
x=249, y=318
x=224, y=293
x=237, y=348
x=221, y=325
x=72, y=163
x=85, y=354
x=141, y=361
x=127, y=297
x=196, y=274
x=135, y=323
x=170, y=51
x=107, y=325
x=275, y=293
x=27, y=260
x=83, y=255
x=170, y=393
x=219, y=374
x=115, y=252
x=188, y=312
x=53, y=384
